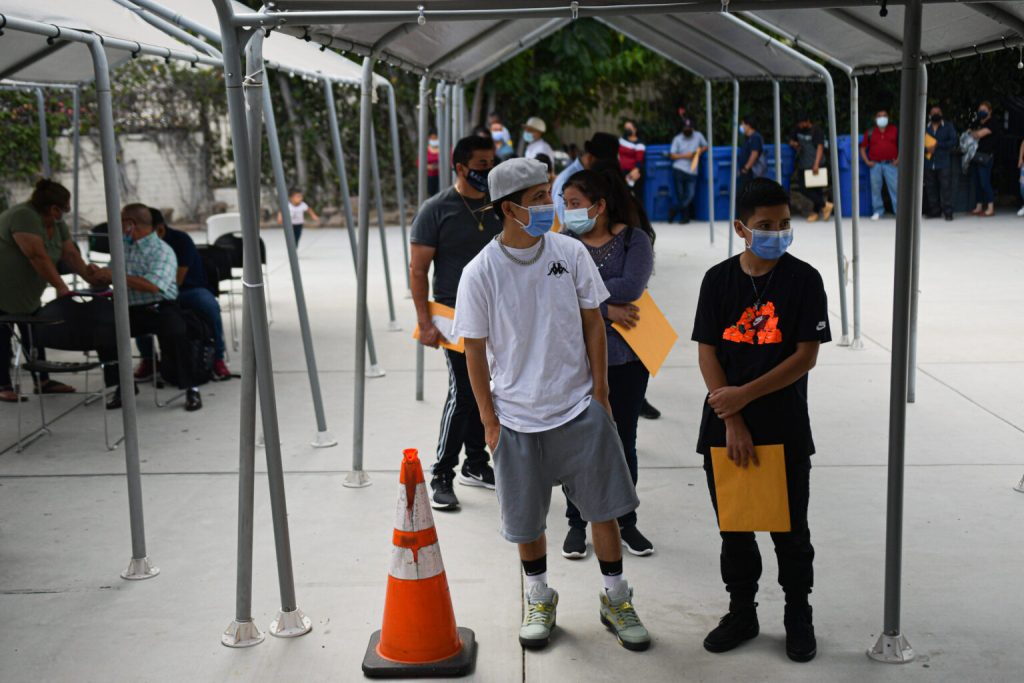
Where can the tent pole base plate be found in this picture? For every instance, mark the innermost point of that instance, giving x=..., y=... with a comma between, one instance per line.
x=857, y=344
x=1020, y=486
x=375, y=371
x=394, y=326
x=892, y=649
x=844, y=341
x=324, y=439
x=291, y=624
x=139, y=570
x=241, y=634
x=356, y=479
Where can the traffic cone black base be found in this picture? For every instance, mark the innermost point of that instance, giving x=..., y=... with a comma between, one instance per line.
x=461, y=664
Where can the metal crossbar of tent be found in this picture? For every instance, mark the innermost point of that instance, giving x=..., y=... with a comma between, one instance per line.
x=377, y=31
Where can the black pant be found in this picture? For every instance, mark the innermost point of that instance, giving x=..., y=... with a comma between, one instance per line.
x=460, y=422
x=627, y=385
x=938, y=191
x=7, y=353
x=816, y=195
x=297, y=231
x=163, y=320
x=741, y=560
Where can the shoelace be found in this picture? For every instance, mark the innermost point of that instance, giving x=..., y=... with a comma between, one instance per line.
x=537, y=613
x=625, y=614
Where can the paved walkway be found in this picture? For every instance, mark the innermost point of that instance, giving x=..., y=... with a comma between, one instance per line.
x=64, y=531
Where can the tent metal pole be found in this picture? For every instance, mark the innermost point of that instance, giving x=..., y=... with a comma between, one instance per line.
x=290, y=621
x=857, y=342
x=323, y=438
x=915, y=264
x=399, y=182
x=139, y=567
x=710, y=163
x=830, y=92
x=777, y=131
x=449, y=127
x=44, y=137
x=76, y=156
x=444, y=159
x=735, y=159
x=422, y=130
x=378, y=197
x=892, y=646
x=357, y=477
x=339, y=164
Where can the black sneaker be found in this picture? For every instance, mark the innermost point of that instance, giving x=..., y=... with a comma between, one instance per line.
x=649, y=412
x=477, y=475
x=193, y=401
x=444, y=497
x=801, y=645
x=575, y=546
x=735, y=628
x=635, y=542
x=114, y=402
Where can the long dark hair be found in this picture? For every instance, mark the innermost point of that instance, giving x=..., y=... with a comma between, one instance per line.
x=47, y=193
x=604, y=182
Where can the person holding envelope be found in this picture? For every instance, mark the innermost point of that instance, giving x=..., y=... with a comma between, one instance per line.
x=760, y=320
x=529, y=312
x=449, y=230
x=599, y=211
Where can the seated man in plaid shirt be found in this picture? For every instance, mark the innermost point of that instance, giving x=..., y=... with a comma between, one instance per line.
x=152, y=293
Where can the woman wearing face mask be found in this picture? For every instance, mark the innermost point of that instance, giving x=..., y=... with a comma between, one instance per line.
x=631, y=158
x=981, y=165
x=33, y=238
x=600, y=212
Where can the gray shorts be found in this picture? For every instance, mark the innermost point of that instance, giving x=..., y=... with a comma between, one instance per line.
x=584, y=455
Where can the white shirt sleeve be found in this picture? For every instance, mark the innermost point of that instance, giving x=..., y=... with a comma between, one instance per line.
x=590, y=289
x=472, y=306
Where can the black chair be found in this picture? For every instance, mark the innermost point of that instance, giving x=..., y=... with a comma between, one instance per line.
x=231, y=244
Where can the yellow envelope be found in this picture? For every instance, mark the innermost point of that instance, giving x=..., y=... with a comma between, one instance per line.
x=752, y=498
x=929, y=145
x=444, y=319
x=694, y=162
x=653, y=336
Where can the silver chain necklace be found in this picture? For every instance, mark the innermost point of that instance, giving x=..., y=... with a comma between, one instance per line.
x=515, y=259
x=758, y=296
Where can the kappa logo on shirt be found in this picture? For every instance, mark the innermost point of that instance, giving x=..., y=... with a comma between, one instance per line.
x=557, y=268
x=760, y=326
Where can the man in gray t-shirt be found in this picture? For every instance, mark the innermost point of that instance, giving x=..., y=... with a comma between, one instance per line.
x=449, y=231
x=685, y=146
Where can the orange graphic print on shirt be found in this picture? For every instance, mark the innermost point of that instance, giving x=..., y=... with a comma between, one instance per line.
x=756, y=326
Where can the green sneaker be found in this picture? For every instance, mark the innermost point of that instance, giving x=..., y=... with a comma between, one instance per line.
x=539, y=620
x=619, y=615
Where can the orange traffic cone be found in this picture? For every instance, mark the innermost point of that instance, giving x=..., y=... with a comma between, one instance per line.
x=419, y=636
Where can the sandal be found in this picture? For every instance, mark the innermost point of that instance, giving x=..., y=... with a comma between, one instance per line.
x=52, y=386
x=8, y=395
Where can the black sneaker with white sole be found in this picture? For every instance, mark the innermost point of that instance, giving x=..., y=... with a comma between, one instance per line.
x=477, y=475
x=635, y=542
x=443, y=496
x=575, y=546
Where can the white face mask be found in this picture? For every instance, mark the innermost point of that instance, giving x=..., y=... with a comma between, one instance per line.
x=882, y=121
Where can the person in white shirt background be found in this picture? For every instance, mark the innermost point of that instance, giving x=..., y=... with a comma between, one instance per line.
x=533, y=136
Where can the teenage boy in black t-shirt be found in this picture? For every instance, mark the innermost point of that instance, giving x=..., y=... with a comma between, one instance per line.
x=760, y=319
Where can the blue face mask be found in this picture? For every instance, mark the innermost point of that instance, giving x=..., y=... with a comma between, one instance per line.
x=769, y=244
x=528, y=136
x=542, y=217
x=578, y=221
x=743, y=129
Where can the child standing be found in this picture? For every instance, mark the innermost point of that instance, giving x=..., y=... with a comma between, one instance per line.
x=760, y=319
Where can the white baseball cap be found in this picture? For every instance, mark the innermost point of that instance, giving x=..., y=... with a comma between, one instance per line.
x=537, y=123
x=515, y=175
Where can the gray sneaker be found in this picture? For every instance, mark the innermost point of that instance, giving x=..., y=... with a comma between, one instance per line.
x=619, y=615
x=539, y=620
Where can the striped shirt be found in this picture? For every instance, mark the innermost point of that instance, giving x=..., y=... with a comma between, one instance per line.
x=631, y=154
x=152, y=259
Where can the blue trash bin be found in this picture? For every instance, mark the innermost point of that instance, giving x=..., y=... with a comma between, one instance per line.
x=846, y=179
x=659, y=195
x=788, y=163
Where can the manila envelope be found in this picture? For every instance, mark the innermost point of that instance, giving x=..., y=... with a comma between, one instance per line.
x=694, y=162
x=752, y=498
x=444, y=319
x=653, y=337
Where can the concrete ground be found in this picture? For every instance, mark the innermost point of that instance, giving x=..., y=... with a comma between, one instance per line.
x=64, y=521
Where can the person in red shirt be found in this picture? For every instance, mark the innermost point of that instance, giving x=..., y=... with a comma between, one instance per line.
x=631, y=158
x=433, y=164
x=880, y=151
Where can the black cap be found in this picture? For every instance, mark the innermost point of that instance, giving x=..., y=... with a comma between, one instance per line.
x=687, y=123
x=603, y=146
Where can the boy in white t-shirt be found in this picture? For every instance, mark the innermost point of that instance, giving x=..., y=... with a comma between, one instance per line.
x=528, y=308
x=297, y=209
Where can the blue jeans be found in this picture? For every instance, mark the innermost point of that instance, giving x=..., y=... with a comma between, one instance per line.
x=202, y=301
x=982, y=173
x=883, y=170
x=686, y=189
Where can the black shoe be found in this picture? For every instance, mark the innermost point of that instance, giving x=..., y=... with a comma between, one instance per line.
x=575, y=546
x=649, y=412
x=635, y=542
x=801, y=646
x=114, y=402
x=949, y=216
x=735, y=628
x=477, y=475
x=684, y=220
x=193, y=401
x=444, y=497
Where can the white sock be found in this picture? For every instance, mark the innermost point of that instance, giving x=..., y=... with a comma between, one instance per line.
x=612, y=582
x=541, y=578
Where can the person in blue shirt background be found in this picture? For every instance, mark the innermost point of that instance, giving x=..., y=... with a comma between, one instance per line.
x=938, y=166
x=750, y=159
